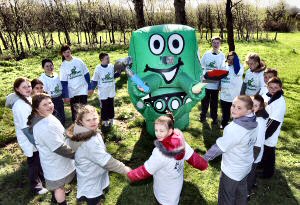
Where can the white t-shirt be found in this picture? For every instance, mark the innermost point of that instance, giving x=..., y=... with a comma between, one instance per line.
x=106, y=81
x=52, y=85
x=73, y=71
x=260, y=141
x=231, y=85
x=211, y=62
x=90, y=158
x=276, y=110
x=49, y=135
x=167, y=175
x=21, y=110
x=254, y=82
x=237, y=144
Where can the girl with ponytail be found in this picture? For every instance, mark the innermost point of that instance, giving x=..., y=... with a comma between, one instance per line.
x=20, y=102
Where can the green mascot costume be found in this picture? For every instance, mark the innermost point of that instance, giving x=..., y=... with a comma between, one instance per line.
x=166, y=59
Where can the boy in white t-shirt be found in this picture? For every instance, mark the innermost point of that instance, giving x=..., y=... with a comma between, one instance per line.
x=52, y=86
x=268, y=74
x=230, y=86
x=236, y=147
x=212, y=60
x=166, y=163
x=75, y=80
x=276, y=109
x=104, y=77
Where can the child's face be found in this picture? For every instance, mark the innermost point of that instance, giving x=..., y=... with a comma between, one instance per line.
x=230, y=60
x=25, y=89
x=268, y=76
x=162, y=131
x=46, y=107
x=216, y=44
x=67, y=54
x=239, y=109
x=90, y=120
x=252, y=64
x=49, y=68
x=105, y=60
x=256, y=105
x=38, y=88
x=273, y=88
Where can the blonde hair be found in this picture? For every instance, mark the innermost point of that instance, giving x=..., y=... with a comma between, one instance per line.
x=82, y=110
x=167, y=119
x=247, y=100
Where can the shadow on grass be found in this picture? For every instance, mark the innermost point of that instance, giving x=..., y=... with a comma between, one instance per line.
x=15, y=188
x=142, y=192
x=273, y=191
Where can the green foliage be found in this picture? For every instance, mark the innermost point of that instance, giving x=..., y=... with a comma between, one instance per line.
x=129, y=142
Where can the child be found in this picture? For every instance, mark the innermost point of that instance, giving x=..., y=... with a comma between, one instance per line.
x=104, y=77
x=254, y=78
x=166, y=163
x=212, y=60
x=52, y=86
x=56, y=155
x=236, y=147
x=261, y=118
x=91, y=158
x=276, y=108
x=37, y=86
x=268, y=74
x=75, y=79
x=20, y=102
x=230, y=86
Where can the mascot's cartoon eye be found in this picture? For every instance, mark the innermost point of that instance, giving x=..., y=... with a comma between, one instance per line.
x=176, y=44
x=156, y=44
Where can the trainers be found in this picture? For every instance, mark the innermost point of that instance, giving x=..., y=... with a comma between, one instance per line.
x=42, y=191
x=105, y=123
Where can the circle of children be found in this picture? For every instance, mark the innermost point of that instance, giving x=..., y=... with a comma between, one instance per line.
x=256, y=105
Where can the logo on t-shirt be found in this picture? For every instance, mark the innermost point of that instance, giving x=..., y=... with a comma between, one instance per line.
x=178, y=166
x=56, y=91
x=250, y=84
x=74, y=73
x=107, y=78
x=212, y=65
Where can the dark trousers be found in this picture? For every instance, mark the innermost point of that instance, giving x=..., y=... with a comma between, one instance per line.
x=251, y=178
x=59, y=109
x=107, y=109
x=225, y=106
x=80, y=99
x=35, y=172
x=232, y=192
x=268, y=162
x=210, y=99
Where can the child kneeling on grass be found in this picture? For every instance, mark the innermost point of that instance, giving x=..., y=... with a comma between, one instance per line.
x=91, y=158
x=236, y=147
x=166, y=163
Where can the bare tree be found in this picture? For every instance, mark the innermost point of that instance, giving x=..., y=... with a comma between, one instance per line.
x=139, y=12
x=180, y=16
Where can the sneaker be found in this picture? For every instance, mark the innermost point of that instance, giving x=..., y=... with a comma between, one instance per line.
x=111, y=122
x=105, y=123
x=42, y=191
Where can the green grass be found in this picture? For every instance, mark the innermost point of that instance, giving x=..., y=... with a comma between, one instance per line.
x=129, y=142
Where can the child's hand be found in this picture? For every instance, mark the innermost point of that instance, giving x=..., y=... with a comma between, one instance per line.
x=67, y=100
x=90, y=92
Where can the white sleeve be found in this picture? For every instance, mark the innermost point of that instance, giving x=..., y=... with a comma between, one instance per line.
x=155, y=162
x=62, y=74
x=95, y=76
x=84, y=67
x=188, y=151
x=260, y=140
x=261, y=81
x=97, y=152
x=277, y=112
x=203, y=63
x=223, y=63
x=52, y=137
x=20, y=116
x=227, y=141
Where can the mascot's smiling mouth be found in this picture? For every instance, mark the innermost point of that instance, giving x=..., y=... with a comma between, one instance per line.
x=168, y=74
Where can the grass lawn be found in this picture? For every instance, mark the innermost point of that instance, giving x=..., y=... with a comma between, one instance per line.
x=129, y=142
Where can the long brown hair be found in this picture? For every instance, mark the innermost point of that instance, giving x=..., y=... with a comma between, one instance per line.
x=36, y=100
x=63, y=49
x=17, y=84
x=255, y=57
x=261, y=101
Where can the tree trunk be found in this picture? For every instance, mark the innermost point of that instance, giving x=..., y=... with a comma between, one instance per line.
x=59, y=38
x=180, y=16
x=275, y=38
x=27, y=41
x=229, y=26
x=139, y=12
x=3, y=41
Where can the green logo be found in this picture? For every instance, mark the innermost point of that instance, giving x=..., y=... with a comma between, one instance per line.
x=74, y=73
x=212, y=64
x=107, y=78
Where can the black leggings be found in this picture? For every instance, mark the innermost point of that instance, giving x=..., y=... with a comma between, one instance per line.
x=107, y=109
